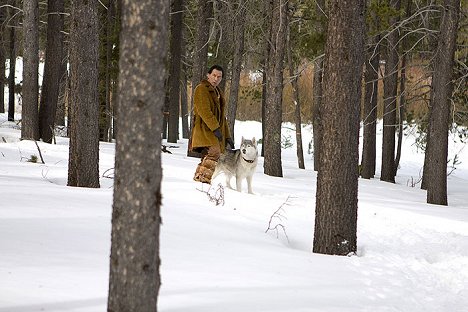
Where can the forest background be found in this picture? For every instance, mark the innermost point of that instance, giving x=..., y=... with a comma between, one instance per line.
x=339, y=66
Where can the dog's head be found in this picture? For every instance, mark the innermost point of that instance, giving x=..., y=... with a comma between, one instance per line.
x=248, y=148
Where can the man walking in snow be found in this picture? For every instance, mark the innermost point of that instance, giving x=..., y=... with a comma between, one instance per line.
x=210, y=133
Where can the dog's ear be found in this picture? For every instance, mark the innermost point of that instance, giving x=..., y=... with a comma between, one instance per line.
x=253, y=141
x=242, y=140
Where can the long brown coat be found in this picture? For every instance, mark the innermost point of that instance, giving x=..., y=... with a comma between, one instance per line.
x=209, y=114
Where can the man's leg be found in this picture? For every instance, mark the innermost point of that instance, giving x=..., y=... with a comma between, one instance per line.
x=207, y=165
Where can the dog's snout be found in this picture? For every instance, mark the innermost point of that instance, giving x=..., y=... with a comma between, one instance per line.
x=243, y=151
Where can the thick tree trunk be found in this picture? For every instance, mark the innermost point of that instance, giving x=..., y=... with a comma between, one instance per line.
x=337, y=181
x=441, y=92
x=390, y=98
x=274, y=91
x=175, y=70
x=134, y=264
x=83, y=165
x=29, y=113
x=52, y=69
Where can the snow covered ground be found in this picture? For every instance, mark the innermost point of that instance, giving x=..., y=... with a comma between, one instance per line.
x=55, y=240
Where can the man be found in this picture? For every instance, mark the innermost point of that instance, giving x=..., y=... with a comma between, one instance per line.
x=210, y=133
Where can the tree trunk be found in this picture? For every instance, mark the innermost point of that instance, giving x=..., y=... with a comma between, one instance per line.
x=317, y=126
x=402, y=95
x=223, y=13
x=83, y=165
x=267, y=9
x=175, y=69
x=441, y=92
x=2, y=60
x=29, y=113
x=370, y=111
x=390, y=98
x=62, y=102
x=317, y=108
x=200, y=58
x=295, y=93
x=134, y=264
x=337, y=181
x=199, y=65
x=52, y=69
x=11, y=77
x=274, y=91
x=236, y=64
x=106, y=42
x=184, y=101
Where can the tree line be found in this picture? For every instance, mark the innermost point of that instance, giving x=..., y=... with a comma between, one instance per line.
x=124, y=69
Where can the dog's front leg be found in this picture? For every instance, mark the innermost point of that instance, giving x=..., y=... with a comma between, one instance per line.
x=249, y=183
x=239, y=184
x=228, y=181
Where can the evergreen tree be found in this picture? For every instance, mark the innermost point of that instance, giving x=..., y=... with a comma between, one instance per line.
x=134, y=264
x=337, y=181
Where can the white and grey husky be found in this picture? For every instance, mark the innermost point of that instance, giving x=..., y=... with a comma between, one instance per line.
x=239, y=163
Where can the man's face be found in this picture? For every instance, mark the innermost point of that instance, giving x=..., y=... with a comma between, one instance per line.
x=215, y=77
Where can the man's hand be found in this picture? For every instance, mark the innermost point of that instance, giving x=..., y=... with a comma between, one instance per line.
x=230, y=143
x=218, y=134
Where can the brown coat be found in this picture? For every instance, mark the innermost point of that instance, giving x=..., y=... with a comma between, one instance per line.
x=209, y=114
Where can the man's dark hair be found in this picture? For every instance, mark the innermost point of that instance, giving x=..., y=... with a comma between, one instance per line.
x=217, y=67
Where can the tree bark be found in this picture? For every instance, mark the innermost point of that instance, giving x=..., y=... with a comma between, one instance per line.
x=199, y=66
x=402, y=92
x=316, y=114
x=175, y=69
x=441, y=92
x=11, y=77
x=223, y=14
x=106, y=15
x=274, y=91
x=370, y=111
x=134, y=265
x=200, y=58
x=390, y=98
x=184, y=101
x=267, y=21
x=2, y=60
x=62, y=102
x=295, y=94
x=236, y=64
x=317, y=89
x=83, y=165
x=29, y=113
x=52, y=70
x=337, y=181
